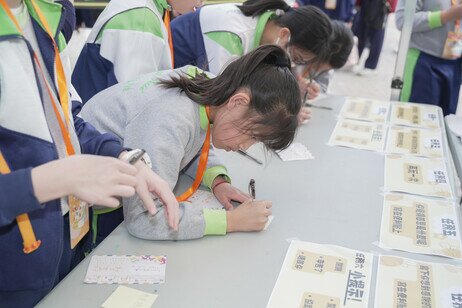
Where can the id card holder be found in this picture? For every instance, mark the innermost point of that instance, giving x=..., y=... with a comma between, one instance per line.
x=79, y=222
x=330, y=4
x=453, y=46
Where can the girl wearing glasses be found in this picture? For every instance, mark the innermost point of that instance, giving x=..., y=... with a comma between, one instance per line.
x=216, y=34
x=174, y=114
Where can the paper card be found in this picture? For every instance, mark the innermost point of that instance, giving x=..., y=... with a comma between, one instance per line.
x=126, y=269
x=79, y=221
x=410, y=283
x=414, y=141
x=418, y=115
x=420, y=225
x=314, y=275
x=417, y=175
x=296, y=151
x=359, y=135
x=205, y=199
x=365, y=109
x=125, y=297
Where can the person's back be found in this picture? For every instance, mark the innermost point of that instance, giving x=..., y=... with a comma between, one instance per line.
x=128, y=39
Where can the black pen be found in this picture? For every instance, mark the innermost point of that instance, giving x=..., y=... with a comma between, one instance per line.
x=252, y=188
x=244, y=153
x=317, y=106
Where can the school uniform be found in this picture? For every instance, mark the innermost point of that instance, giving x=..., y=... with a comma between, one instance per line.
x=214, y=35
x=172, y=128
x=129, y=39
x=342, y=11
x=430, y=76
x=30, y=136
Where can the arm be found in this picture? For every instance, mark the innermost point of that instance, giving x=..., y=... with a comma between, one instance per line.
x=17, y=194
x=134, y=42
x=91, y=140
x=427, y=20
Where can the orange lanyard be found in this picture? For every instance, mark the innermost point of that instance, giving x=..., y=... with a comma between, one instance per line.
x=169, y=32
x=202, y=164
x=25, y=227
x=62, y=85
x=457, y=24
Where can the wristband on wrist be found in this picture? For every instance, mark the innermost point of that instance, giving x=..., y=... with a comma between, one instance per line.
x=219, y=183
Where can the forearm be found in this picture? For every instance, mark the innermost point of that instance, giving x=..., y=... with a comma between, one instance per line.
x=48, y=181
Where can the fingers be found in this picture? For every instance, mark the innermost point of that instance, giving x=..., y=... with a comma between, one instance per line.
x=240, y=196
x=123, y=191
x=125, y=167
x=145, y=196
x=227, y=204
x=109, y=202
x=125, y=179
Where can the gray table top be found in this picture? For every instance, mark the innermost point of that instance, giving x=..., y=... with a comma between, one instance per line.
x=332, y=199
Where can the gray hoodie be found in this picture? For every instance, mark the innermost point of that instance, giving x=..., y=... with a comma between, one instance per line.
x=167, y=124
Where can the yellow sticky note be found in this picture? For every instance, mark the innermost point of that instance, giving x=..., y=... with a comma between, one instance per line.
x=125, y=297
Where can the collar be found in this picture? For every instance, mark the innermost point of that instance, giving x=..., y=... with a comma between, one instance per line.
x=260, y=27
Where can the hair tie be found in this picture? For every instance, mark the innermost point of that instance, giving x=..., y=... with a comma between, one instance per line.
x=279, y=12
x=282, y=62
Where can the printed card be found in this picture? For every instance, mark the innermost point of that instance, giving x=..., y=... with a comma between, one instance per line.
x=127, y=269
x=314, y=275
x=417, y=115
x=420, y=225
x=410, y=283
x=359, y=135
x=415, y=141
x=417, y=175
x=365, y=109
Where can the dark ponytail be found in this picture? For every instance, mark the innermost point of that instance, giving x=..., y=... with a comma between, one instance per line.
x=274, y=93
x=258, y=7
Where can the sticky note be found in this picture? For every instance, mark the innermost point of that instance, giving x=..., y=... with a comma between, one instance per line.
x=125, y=297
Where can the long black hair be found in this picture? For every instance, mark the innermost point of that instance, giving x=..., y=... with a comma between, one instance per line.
x=274, y=93
x=310, y=27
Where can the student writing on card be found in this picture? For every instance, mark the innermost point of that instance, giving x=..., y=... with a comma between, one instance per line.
x=175, y=115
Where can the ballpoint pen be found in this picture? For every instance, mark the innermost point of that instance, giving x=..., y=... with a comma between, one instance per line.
x=244, y=153
x=252, y=188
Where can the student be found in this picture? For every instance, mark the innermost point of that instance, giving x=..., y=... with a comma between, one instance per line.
x=42, y=161
x=129, y=39
x=255, y=99
x=315, y=79
x=203, y=38
x=433, y=66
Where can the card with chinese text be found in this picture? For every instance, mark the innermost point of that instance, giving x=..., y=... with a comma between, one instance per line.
x=365, y=109
x=314, y=275
x=417, y=175
x=359, y=135
x=420, y=225
x=410, y=283
x=417, y=115
x=415, y=141
x=126, y=269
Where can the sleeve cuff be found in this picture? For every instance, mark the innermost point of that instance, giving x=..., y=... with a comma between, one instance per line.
x=215, y=222
x=212, y=173
x=434, y=19
x=111, y=148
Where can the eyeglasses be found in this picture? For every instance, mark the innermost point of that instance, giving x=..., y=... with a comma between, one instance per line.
x=297, y=60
